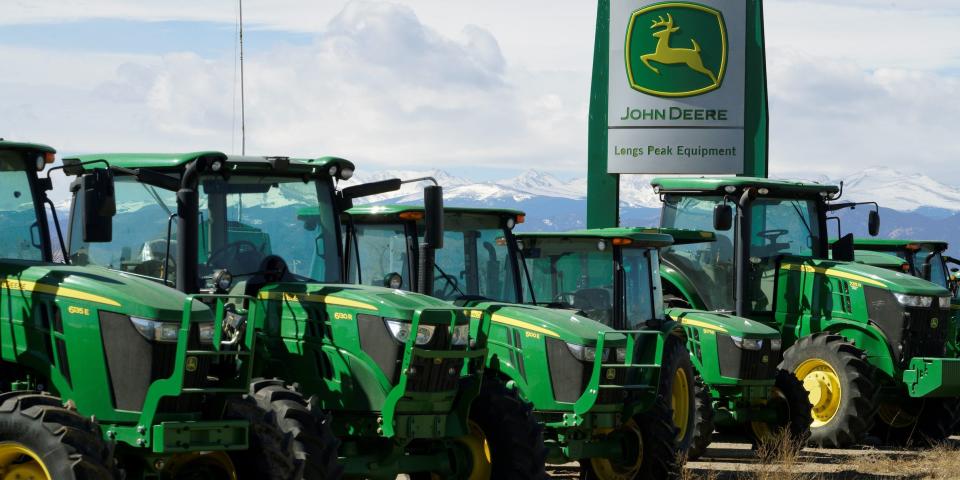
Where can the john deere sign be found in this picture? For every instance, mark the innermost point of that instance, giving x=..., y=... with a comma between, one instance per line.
x=675, y=49
x=678, y=87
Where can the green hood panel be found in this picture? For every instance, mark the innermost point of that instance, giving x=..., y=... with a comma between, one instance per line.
x=381, y=301
x=99, y=288
x=563, y=324
x=722, y=322
x=867, y=275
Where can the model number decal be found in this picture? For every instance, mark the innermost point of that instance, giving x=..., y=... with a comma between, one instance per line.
x=78, y=311
x=342, y=316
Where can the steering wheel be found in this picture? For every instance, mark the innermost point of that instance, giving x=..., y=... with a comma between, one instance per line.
x=451, y=288
x=241, y=257
x=772, y=234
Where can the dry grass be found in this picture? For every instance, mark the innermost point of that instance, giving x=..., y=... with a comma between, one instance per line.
x=941, y=462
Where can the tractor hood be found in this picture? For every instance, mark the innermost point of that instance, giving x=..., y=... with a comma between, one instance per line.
x=867, y=275
x=380, y=301
x=722, y=322
x=557, y=323
x=97, y=288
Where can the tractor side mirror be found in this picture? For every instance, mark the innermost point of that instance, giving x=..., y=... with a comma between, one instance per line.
x=873, y=223
x=433, y=216
x=372, y=188
x=99, y=205
x=722, y=217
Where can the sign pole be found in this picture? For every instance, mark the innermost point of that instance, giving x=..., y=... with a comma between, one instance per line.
x=603, y=188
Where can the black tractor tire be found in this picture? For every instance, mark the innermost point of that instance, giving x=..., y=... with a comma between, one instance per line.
x=917, y=422
x=287, y=440
x=70, y=446
x=659, y=437
x=792, y=404
x=513, y=434
x=703, y=421
x=853, y=415
x=694, y=437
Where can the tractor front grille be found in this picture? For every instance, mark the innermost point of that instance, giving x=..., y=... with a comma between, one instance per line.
x=736, y=362
x=925, y=332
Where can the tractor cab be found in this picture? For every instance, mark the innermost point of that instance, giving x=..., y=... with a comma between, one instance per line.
x=841, y=321
x=924, y=259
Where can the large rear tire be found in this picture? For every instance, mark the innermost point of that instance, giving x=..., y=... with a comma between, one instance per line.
x=682, y=388
x=42, y=439
x=918, y=422
x=652, y=435
x=287, y=440
x=840, y=388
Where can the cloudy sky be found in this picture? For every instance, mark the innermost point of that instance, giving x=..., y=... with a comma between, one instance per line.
x=483, y=89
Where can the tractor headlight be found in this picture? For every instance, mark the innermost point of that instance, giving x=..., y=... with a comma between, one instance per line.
x=460, y=335
x=747, y=343
x=401, y=331
x=913, y=300
x=165, y=332
x=587, y=354
x=946, y=301
x=206, y=333
x=621, y=355
x=776, y=344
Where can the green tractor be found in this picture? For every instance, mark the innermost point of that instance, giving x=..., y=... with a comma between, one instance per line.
x=105, y=375
x=924, y=259
x=869, y=345
x=401, y=373
x=593, y=388
x=736, y=385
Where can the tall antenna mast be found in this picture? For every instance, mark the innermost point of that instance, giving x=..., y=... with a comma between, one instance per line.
x=243, y=118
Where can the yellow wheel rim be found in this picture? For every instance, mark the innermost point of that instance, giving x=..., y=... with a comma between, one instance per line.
x=895, y=416
x=479, y=448
x=177, y=463
x=18, y=462
x=680, y=401
x=608, y=469
x=823, y=387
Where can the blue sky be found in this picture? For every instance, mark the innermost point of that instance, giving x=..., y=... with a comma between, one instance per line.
x=481, y=89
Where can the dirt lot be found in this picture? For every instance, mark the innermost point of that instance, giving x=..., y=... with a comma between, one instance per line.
x=736, y=461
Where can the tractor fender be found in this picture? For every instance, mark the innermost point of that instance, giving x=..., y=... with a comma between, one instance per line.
x=866, y=337
x=677, y=283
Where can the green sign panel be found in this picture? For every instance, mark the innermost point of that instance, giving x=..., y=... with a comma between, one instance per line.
x=678, y=88
x=676, y=49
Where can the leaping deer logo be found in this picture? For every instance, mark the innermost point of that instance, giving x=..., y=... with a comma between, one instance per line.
x=668, y=55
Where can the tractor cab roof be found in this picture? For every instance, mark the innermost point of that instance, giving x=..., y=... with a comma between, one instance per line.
x=897, y=244
x=881, y=259
x=177, y=161
x=23, y=146
x=634, y=237
x=393, y=210
x=720, y=184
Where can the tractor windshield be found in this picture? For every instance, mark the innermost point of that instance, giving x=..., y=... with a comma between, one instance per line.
x=919, y=260
x=475, y=259
x=241, y=221
x=778, y=227
x=140, y=240
x=246, y=218
x=20, y=232
x=381, y=250
x=709, y=265
x=579, y=274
